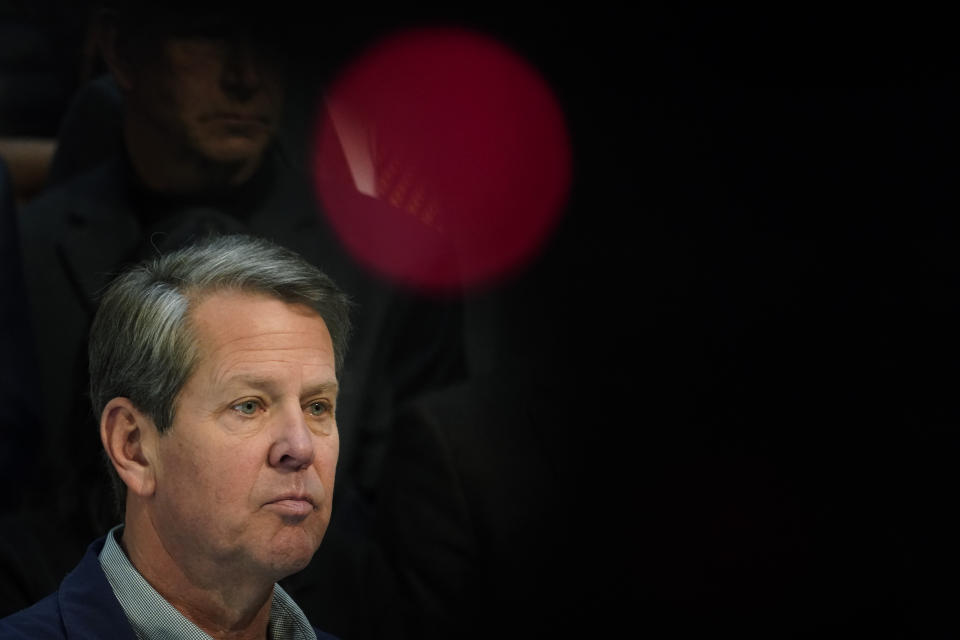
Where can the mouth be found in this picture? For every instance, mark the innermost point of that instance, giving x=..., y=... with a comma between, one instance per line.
x=240, y=124
x=233, y=116
x=296, y=506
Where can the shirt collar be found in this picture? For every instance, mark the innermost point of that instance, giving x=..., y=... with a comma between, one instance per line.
x=153, y=618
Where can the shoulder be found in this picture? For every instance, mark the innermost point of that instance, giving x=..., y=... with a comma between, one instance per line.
x=323, y=635
x=96, y=192
x=90, y=215
x=42, y=620
x=84, y=604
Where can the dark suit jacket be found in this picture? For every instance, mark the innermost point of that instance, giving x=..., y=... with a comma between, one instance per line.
x=84, y=607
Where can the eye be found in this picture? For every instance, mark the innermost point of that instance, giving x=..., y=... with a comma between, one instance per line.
x=247, y=407
x=318, y=408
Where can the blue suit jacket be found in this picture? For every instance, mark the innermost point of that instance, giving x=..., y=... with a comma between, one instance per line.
x=83, y=608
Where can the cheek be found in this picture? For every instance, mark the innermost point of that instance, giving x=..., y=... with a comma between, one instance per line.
x=219, y=476
x=178, y=501
x=327, y=452
x=189, y=86
x=274, y=93
x=191, y=96
x=232, y=474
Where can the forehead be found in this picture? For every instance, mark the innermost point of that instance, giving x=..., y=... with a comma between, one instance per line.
x=236, y=331
x=261, y=29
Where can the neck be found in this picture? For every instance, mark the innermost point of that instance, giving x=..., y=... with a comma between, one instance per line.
x=165, y=165
x=223, y=601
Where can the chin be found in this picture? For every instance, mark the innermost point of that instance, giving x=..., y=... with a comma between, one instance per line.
x=289, y=565
x=291, y=550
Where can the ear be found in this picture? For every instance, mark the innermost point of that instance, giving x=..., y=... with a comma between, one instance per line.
x=129, y=437
x=115, y=51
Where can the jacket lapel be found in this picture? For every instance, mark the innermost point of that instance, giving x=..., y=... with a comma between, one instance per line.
x=88, y=608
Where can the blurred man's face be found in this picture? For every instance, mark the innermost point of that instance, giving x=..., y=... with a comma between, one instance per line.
x=215, y=96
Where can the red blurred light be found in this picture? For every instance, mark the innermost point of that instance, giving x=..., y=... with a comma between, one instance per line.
x=442, y=159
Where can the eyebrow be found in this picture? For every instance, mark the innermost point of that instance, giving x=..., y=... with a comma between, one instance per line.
x=266, y=384
x=324, y=388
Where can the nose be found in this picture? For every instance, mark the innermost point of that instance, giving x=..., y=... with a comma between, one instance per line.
x=292, y=447
x=242, y=74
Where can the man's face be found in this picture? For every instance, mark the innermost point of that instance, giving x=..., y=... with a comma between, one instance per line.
x=217, y=97
x=245, y=473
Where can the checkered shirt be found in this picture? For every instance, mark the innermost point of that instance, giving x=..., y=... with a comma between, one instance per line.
x=153, y=618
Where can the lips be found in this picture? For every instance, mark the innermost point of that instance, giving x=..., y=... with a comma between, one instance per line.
x=292, y=505
x=239, y=118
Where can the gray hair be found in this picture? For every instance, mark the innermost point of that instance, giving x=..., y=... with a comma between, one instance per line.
x=142, y=344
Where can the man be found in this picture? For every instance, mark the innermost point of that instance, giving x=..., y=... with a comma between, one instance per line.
x=203, y=86
x=214, y=370
x=204, y=93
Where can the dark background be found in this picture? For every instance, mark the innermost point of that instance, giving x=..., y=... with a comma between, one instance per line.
x=759, y=254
